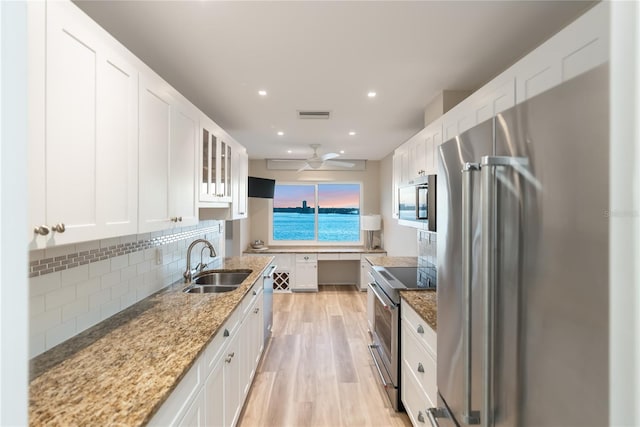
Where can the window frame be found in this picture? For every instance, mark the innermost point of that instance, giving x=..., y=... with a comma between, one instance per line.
x=316, y=242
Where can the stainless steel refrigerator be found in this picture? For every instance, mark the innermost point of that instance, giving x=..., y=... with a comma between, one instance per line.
x=523, y=264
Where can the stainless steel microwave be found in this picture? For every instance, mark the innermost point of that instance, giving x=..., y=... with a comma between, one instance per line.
x=417, y=202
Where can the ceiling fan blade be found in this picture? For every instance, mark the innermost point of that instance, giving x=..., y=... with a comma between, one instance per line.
x=340, y=163
x=329, y=156
x=305, y=167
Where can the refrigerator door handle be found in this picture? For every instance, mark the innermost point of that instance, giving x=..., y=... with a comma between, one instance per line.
x=434, y=413
x=489, y=202
x=469, y=416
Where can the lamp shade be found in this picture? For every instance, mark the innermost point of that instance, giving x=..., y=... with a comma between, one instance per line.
x=370, y=222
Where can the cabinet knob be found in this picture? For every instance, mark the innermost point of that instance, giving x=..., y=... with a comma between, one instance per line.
x=420, y=368
x=420, y=417
x=256, y=310
x=306, y=258
x=59, y=228
x=420, y=329
x=225, y=333
x=42, y=230
x=179, y=219
x=228, y=359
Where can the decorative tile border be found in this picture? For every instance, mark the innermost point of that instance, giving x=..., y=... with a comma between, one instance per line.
x=64, y=262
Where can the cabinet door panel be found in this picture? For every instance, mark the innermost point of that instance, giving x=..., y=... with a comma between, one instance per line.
x=70, y=150
x=184, y=128
x=117, y=155
x=214, y=396
x=155, y=115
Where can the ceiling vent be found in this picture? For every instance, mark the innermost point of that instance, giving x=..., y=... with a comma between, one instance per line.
x=314, y=115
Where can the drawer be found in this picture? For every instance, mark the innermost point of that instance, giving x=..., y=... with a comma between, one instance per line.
x=251, y=296
x=423, y=331
x=418, y=362
x=306, y=257
x=285, y=262
x=328, y=257
x=350, y=256
x=414, y=399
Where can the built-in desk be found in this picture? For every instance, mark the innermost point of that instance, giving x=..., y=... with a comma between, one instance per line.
x=302, y=268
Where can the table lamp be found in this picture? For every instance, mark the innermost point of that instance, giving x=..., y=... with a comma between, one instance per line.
x=370, y=223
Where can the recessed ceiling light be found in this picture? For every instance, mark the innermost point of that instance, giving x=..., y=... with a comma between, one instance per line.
x=341, y=151
x=289, y=151
x=371, y=94
x=351, y=133
x=262, y=92
x=280, y=133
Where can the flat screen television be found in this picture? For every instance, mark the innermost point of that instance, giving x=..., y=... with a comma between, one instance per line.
x=261, y=187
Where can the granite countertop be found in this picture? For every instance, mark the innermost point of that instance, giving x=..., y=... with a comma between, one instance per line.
x=392, y=261
x=315, y=249
x=120, y=371
x=425, y=303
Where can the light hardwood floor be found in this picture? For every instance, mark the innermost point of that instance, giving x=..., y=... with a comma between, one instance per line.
x=317, y=370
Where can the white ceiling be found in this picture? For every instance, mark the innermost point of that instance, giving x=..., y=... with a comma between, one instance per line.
x=327, y=55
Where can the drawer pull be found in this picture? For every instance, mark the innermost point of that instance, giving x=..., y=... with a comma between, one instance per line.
x=420, y=417
x=420, y=329
x=420, y=368
x=256, y=310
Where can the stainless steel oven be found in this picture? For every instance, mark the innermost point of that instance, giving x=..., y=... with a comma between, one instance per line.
x=383, y=306
x=385, y=333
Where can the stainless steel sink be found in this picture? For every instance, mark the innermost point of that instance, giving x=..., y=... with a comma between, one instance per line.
x=210, y=289
x=221, y=277
x=217, y=281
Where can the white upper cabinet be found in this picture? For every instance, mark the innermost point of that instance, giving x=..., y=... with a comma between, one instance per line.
x=581, y=46
x=155, y=140
x=215, y=165
x=168, y=138
x=185, y=128
x=240, y=163
x=83, y=143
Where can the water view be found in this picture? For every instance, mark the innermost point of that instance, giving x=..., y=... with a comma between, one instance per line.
x=332, y=227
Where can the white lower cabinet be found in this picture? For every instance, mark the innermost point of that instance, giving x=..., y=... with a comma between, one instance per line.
x=306, y=272
x=213, y=392
x=195, y=415
x=418, y=373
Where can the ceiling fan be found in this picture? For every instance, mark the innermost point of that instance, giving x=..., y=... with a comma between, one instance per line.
x=316, y=161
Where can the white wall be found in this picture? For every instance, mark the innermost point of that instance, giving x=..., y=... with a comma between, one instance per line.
x=259, y=208
x=13, y=214
x=398, y=239
x=624, y=255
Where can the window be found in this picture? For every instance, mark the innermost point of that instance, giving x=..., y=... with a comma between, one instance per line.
x=316, y=213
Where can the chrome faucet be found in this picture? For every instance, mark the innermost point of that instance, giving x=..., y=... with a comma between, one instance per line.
x=212, y=253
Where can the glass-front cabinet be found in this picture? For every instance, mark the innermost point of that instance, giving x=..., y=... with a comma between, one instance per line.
x=216, y=166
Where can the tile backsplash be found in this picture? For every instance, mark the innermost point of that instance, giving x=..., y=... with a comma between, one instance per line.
x=74, y=287
x=427, y=254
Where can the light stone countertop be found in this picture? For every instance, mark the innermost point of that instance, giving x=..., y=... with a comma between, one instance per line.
x=424, y=301
x=120, y=371
x=315, y=249
x=392, y=261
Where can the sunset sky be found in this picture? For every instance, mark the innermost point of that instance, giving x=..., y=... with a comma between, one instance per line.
x=329, y=195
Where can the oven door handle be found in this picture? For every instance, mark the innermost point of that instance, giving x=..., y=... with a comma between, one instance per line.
x=373, y=348
x=386, y=302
